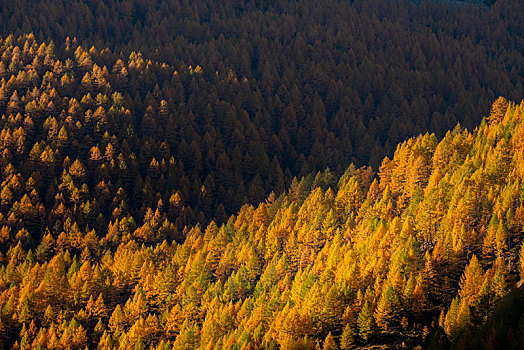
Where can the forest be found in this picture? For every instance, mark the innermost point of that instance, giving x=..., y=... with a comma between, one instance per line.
x=248, y=175
x=346, y=80
x=93, y=255
x=265, y=91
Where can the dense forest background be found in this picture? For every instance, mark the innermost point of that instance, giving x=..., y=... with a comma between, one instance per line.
x=346, y=80
x=283, y=89
x=175, y=175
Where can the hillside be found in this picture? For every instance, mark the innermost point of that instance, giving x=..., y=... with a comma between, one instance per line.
x=210, y=121
x=333, y=81
x=434, y=241
x=244, y=175
x=98, y=140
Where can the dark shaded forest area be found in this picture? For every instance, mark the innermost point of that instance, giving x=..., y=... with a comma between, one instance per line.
x=346, y=80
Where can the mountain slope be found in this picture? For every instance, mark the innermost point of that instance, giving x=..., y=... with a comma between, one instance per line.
x=347, y=80
x=434, y=242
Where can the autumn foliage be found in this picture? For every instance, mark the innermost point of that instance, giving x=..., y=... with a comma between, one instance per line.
x=432, y=241
x=208, y=201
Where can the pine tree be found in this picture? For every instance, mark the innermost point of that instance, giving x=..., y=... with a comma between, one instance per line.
x=365, y=322
x=471, y=280
x=498, y=110
x=387, y=308
x=329, y=343
x=347, y=340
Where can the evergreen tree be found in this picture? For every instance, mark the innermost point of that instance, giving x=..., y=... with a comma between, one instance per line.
x=365, y=322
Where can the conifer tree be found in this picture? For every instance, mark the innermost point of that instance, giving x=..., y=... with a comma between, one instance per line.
x=347, y=339
x=365, y=322
x=329, y=343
